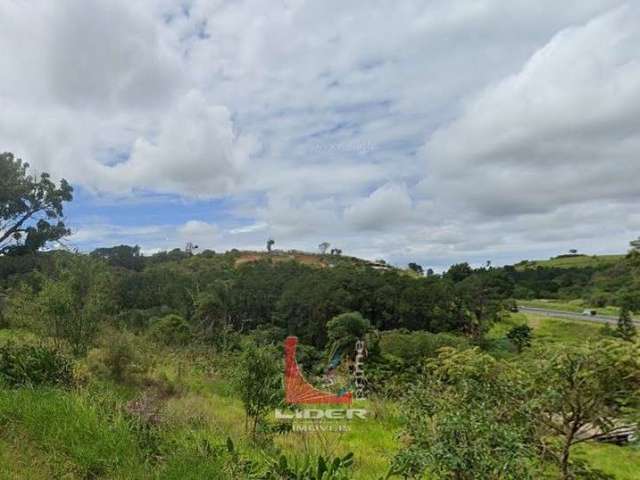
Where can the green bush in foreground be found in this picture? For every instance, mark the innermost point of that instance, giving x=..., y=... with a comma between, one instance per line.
x=33, y=365
x=120, y=357
x=468, y=418
x=259, y=384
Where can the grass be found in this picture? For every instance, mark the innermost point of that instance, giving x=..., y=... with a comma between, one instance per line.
x=76, y=438
x=549, y=330
x=622, y=462
x=582, y=261
x=575, y=306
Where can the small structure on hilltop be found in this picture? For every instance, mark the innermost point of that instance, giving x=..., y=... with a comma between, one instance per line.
x=190, y=247
x=635, y=244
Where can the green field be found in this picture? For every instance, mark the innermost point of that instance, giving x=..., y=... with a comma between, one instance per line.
x=596, y=261
x=576, y=306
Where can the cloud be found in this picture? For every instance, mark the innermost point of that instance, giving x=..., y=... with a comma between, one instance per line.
x=98, y=94
x=427, y=131
x=560, y=131
x=386, y=207
x=195, y=152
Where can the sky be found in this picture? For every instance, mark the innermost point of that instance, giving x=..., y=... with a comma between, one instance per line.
x=420, y=131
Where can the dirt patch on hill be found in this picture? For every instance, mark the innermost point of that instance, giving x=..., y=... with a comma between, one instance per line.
x=305, y=259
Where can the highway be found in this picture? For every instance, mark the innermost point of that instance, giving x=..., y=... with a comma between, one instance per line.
x=572, y=315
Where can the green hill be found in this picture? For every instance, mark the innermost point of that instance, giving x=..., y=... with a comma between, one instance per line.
x=571, y=261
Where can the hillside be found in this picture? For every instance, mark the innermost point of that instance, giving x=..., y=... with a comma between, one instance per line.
x=304, y=258
x=571, y=261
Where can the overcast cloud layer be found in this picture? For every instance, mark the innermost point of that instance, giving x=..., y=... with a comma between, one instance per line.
x=413, y=131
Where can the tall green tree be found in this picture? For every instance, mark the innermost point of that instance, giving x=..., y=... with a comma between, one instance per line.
x=31, y=209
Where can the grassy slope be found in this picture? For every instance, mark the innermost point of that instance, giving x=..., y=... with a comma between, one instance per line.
x=576, y=306
x=568, y=262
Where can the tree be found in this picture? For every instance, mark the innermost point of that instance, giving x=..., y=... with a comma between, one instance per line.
x=430, y=272
x=458, y=272
x=343, y=330
x=468, y=418
x=480, y=299
x=336, y=251
x=73, y=304
x=270, y=243
x=573, y=251
x=585, y=392
x=31, y=209
x=323, y=247
x=416, y=268
x=259, y=383
x=520, y=336
x=626, y=328
x=123, y=256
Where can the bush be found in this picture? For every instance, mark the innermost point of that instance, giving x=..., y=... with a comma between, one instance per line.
x=259, y=383
x=171, y=330
x=33, y=365
x=312, y=468
x=120, y=358
x=138, y=319
x=413, y=347
x=520, y=336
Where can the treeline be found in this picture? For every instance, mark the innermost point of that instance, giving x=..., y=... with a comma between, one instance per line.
x=211, y=293
x=617, y=285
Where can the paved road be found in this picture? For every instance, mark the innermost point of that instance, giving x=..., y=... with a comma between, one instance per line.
x=572, y=315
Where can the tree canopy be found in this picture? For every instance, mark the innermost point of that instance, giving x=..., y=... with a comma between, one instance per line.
x=31, y=208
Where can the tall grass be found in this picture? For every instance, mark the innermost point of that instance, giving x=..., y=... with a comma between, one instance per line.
x=76, y=437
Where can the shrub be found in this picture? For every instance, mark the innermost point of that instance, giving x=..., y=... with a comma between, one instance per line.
x=120, y=357
x=312, y=468
x=139, y=319
x=413, y=347
x=171, y=330
x=259, y=384
x=626, y=328
x=520, y=336
x=33, y=365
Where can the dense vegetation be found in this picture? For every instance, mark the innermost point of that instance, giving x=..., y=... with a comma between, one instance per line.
x=615, y=281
